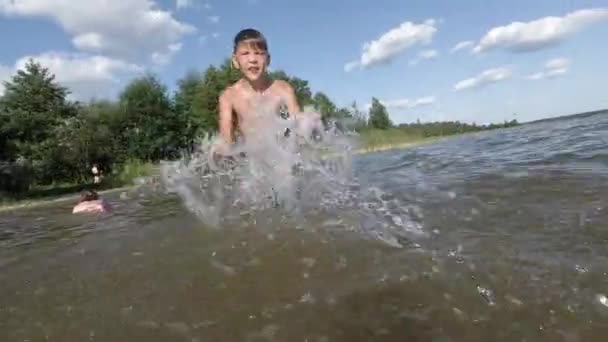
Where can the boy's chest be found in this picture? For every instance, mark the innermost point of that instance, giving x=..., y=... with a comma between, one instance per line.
x=253, y=106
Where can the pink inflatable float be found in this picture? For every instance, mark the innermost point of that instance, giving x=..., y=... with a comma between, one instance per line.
x=91, y=203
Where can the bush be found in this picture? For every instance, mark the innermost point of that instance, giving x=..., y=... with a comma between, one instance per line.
x=15, y=178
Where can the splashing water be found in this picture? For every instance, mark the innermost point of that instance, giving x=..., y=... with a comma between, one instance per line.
x=291, y=165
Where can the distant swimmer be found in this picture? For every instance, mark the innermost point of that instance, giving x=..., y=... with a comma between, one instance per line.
x=250, y=55
x=91, y=203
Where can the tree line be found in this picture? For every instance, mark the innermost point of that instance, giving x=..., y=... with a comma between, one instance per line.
x=46, y=138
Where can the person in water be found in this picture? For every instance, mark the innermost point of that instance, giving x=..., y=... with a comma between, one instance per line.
x=91, y=203
x=251, y=56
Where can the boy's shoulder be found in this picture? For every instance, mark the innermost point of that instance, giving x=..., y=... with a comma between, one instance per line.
x=282, y=84
x=282, y=87
x=230, y=91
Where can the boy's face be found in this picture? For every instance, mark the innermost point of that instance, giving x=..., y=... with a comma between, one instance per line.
x=251, y=58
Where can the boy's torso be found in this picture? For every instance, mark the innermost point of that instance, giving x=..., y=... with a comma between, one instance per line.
x=253, y=108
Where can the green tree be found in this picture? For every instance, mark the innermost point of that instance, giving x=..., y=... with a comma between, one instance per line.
x=378, y=116
x=33, y=103
x=324, y=106
x=150, y=130
x=32, y=108
x=184, y=98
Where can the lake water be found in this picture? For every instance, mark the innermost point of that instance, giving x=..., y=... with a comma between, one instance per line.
x=503, y=235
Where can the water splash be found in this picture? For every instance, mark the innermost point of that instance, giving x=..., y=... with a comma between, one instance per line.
x=294, y=166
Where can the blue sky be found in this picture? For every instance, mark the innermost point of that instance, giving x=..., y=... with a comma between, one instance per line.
x=519, y=59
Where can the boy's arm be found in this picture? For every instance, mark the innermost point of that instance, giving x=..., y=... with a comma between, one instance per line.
x=293, y=106
x=225, y=117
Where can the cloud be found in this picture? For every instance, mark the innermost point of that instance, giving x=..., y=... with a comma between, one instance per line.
x=163, y=58
x=553, y=68
x=428, y=54
x=540, y=33
x=183, y=4
x=214, y=19
x=408, y=104
x=400, y=104
x=124, y=29
x=424, y=55
x=485, y=78
x=462, y=45
x=392, y=43
x=85, y=76
x=5, y=74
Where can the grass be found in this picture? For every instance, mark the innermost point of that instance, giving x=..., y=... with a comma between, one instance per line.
x=377, y=139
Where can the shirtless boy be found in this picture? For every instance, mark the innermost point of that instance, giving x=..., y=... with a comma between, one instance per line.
x=250, y=55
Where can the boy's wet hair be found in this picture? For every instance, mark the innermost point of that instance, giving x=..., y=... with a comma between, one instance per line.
x=256, y=37
x=89, y=195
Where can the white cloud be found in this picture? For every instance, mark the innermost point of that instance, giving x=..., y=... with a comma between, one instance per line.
x=484, y=78
x=553, y=68
x=214, y=19
x=408, y=104
x=424, y=55
x=392, y=43
x=183, y=4
x=462, y=45
x=539, y=33
x=166, y=57
x=405, y=103
x=428, y=54
x=85, y=76
x=5, y=74
x=119, y=28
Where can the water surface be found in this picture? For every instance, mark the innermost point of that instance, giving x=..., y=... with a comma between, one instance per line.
x=504, y=236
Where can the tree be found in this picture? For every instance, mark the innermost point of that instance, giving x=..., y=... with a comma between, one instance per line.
x=151, y=130
x=378, y=116
x=324, y=106
x=184, y=99
x=33, y=103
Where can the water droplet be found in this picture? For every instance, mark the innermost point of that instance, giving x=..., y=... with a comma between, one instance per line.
x=602, y=299
x=581, y=269
x=487, y=294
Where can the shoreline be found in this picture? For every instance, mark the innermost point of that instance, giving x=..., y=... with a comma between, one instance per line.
x=387, y=147
x=25, y=204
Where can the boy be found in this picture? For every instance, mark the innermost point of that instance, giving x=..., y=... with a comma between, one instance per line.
x=250, y=55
